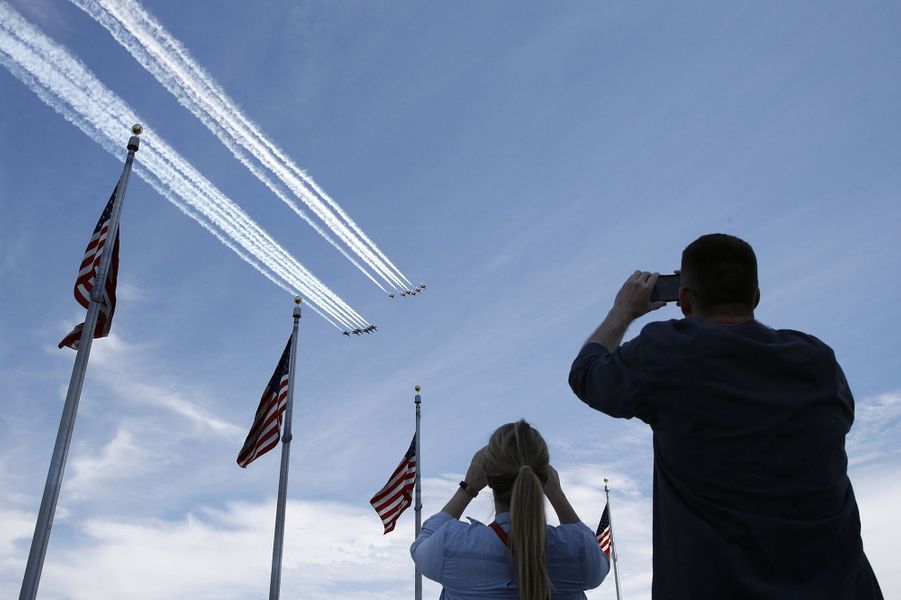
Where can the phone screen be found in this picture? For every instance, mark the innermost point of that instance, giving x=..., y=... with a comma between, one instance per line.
x=666, y=288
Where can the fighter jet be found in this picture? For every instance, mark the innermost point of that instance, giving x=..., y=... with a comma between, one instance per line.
x=357, y=331
x=422, y=285
x=347, y=333
x=391, y=295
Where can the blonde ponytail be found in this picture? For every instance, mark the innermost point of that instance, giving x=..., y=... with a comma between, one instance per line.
x=528, y=535
x=516, y=462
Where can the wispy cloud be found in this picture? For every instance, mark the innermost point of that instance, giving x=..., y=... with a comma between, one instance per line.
x=120, y=457
x=876, y=430
x=129, y=372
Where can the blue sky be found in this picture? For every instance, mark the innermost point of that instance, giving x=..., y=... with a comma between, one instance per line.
x=520, y=158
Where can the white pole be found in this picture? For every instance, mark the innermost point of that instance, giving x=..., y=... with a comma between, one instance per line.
x=417, y=506
x=52, y=487
x=619, y=594
x=278, y=543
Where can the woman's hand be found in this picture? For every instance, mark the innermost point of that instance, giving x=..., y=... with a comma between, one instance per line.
x=552, y=485
x=476, y=479
x=475, y=482
x=553, y=491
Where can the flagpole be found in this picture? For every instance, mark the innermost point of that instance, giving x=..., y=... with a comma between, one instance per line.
x=67, y=422
x=612, y=541
x=417, y=507
x=276, y=579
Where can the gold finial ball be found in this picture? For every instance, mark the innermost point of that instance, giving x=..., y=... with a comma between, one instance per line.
x=137, y=129
x=606, y=480
x=297, y=299
x=418, y=388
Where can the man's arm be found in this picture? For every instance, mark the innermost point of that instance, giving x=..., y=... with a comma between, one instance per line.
x=604, y=376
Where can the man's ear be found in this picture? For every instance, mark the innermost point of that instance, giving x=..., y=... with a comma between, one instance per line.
x=684, y=301
x=756, y=297
x=490, y=483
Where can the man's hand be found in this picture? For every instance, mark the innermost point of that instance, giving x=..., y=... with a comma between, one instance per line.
x=634, y=298
x=632, y=301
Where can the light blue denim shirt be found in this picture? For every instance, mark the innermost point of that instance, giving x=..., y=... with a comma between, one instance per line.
x=470, y=561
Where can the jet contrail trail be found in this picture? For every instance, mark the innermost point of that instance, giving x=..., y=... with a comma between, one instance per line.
x=66, y=85
x=171, y=64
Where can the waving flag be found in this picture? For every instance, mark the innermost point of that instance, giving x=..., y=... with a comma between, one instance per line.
x=267, y=423
x=87, y=275
x=393, y=499
x=603, y=532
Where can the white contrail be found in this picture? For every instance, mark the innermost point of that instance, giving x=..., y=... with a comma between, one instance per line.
x=171, y=64
x=101, y=114
x=67, y=85
x=114, y=106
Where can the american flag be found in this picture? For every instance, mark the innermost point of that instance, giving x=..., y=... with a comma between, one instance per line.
x=393, y=499
x=87, y=274
x=267, y=423
x=603, y=532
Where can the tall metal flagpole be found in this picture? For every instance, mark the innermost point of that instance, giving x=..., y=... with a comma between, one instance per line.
x=67, y=422
x=612, y=541
x=275, y=581
x=417, y=506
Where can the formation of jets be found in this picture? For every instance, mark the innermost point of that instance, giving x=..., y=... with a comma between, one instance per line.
x=409, y=292
x=373, y=328
x=360, y=330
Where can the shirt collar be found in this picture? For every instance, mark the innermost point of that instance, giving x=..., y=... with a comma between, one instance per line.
x=502, y=518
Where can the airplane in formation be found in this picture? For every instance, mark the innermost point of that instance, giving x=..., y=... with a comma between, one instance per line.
x=409, y=292
x=360, y=330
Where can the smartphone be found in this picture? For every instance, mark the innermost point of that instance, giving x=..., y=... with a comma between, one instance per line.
x=666, y=288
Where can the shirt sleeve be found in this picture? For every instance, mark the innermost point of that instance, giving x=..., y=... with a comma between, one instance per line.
x=428, y=548
x=595, y=564
x=611, y=382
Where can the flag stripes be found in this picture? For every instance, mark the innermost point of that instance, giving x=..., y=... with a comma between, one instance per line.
x=87, y=274
x=264, y=432
x=394, y=498
x=603, y=533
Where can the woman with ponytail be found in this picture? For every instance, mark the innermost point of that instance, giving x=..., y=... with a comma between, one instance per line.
x=518, y=556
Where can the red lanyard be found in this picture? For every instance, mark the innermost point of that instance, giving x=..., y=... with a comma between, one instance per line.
x=500, y=533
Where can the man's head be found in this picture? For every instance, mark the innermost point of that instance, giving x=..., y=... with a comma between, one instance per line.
x=719, y=277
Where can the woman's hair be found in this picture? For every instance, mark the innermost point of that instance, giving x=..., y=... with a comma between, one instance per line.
x=516, y=463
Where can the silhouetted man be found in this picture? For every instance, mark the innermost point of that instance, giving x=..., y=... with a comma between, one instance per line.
x=751, y=491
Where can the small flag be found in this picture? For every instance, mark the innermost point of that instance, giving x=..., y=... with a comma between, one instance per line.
x=87, y=274
x=603, y=532
x=393, y=499
x=267, y=423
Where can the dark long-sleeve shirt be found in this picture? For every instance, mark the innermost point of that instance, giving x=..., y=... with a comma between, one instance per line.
x=751, y=493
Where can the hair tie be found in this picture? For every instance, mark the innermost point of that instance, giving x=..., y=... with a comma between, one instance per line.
x=524, y=467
